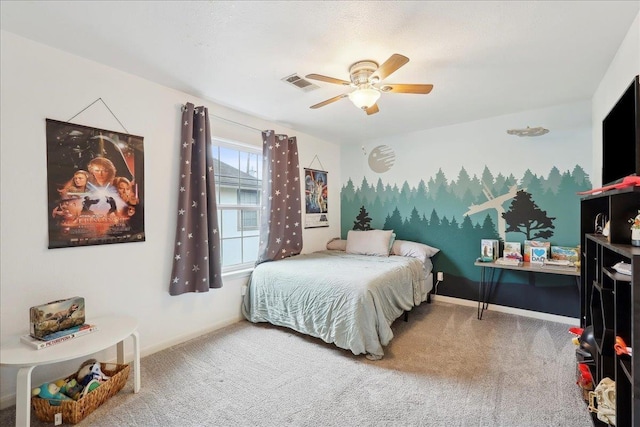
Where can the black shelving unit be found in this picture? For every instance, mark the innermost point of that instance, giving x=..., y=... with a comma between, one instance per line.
x=610, y=301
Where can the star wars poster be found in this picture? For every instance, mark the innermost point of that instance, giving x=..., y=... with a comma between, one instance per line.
x=95, y=182
x=316, y=207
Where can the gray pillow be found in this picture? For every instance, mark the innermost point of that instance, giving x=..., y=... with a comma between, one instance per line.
x=370, y=242
x=416, y=250
x=337, y=244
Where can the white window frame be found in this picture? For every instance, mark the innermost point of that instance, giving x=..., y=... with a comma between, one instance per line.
x=241, y=225
x=253, y=149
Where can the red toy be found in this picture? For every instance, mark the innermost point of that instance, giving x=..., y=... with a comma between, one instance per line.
x=621, y=347
x=627, y=181
x=576, y=331
x=585, y=380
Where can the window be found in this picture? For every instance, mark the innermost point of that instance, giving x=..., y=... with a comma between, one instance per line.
x=249, y=219
x=238, y=175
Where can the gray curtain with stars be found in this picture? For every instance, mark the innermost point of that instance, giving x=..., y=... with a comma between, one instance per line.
x=196, y=257
x=281, y=219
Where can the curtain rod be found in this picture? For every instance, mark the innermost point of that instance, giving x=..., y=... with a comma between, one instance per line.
x=230, y=121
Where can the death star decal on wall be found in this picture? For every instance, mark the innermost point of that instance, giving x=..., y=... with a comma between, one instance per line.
x=381, y=159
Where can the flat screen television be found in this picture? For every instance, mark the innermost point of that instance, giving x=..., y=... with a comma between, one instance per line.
x=621, y=137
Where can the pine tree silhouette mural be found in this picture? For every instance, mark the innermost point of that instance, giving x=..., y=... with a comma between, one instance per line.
x=394, y=222
x=524, y=216
x=363, y=221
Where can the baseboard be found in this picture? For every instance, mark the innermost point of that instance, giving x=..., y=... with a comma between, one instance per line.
x=7, y=401
x=147, y=351
x=10, y=400
x=510, y=310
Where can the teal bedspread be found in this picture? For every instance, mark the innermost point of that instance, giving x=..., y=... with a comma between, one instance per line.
x=345, y=299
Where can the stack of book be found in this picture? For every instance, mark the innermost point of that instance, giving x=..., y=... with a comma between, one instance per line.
x=58, y=337
x=564, y=262
x=559, y=264
x=509, y=261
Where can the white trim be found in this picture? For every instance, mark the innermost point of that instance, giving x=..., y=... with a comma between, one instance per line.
x=228, y=206
x=509, y=310
x=189, y=336
x=229, y=143
x=8, y=401
x=237, y=274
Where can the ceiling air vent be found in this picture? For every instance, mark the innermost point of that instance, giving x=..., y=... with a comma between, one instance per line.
x=300, y=83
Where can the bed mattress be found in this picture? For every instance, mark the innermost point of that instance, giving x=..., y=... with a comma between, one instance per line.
x=345, y=299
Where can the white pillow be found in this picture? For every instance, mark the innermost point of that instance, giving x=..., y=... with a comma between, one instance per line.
x=416, y=250
x=370, y=242
x=337, y=244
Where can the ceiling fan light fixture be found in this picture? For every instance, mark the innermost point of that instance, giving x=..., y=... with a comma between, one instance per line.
x=365, y=77
x=364, y=98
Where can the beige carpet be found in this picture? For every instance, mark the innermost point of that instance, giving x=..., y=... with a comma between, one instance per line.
x=443, y=368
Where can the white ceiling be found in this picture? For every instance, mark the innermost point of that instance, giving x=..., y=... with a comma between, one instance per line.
x=484, y=58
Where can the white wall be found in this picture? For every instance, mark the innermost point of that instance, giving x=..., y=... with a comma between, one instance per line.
x=38, y=82
x=474, y=145
x=625, y=65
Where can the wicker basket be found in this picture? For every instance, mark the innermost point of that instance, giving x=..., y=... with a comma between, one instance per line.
x=75, y=411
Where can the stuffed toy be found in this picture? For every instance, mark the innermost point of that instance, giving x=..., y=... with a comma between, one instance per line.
x=90, y=370
x=93, y=384
x=602, y=401
x=51, y=392
x=71, y=388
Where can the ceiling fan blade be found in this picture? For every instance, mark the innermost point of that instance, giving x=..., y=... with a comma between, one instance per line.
x=372, y=110
x=328, y=79
x=329, y=101
x=406, y=88
x=389, y=66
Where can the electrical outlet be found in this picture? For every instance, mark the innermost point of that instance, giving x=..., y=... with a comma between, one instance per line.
x=243, y=290
x=57, y=419
x=440, y=276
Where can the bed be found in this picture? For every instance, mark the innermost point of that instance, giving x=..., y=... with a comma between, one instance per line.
x=348, y=299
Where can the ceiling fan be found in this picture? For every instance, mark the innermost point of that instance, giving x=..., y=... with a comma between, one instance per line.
x=366, y=76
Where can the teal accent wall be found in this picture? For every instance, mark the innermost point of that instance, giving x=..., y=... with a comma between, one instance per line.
x=453, y=213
